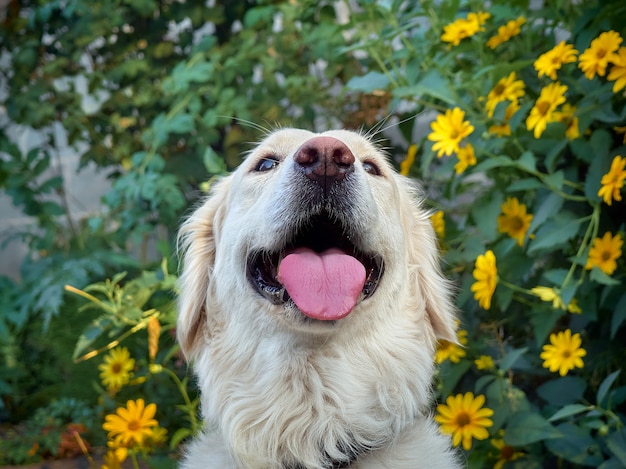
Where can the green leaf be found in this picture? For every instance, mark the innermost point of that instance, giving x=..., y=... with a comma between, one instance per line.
x=555, y=180
x=213, y=163
x=606, y=384
x=549, y=207
x=496, y=162
x=527, y=162
x=527, y=184
x=618, y=316
x=563, y=391
x=525, y=428
x=551, y=235
x=569, y=410
x=576, y=446
x=369, y=82
x=178, y=436
x=432, y=84
x=617, y=444
x=511, y=357
x=90, y=334
x=600, y=277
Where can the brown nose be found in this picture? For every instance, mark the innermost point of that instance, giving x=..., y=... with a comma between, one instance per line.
x=325, y=160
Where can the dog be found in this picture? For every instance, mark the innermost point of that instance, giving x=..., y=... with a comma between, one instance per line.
x=311, y=301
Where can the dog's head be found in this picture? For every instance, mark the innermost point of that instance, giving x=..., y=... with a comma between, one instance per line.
x=311, y=232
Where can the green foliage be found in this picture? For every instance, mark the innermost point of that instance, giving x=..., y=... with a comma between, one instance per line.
x=556, y=175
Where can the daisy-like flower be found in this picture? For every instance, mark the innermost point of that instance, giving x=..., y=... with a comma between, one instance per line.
x=464, y=417
x=618, y=71
x=447, y=350
x=506, y=32
x=542, y=112
x=486, y=275
x=506, y=453
x=508, y=88
x=549, y=62
x=117, y=368
x=553, y=295
x=567, y=115
x=504, y=129
x=132, y=424
x=514, y=220
x=613, y=181
x=563, y=353
x=439, y=224
x=484, y=362
x=405, y=165
x=462, y=28
x=600, y=53
x=448, y=130
x=466, y=158
x=604, y=253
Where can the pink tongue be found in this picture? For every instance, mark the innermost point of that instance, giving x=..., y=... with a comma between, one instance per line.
x=324, y=286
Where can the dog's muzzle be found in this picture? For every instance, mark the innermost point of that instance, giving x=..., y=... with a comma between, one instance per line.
x=321, y=267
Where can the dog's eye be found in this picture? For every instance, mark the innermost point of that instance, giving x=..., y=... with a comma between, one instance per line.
x=266, y=164
x=371, y=168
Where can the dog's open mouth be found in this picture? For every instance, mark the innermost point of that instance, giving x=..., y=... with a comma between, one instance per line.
x=320, y=269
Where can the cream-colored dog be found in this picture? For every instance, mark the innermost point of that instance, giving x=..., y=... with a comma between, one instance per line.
x=311, y=303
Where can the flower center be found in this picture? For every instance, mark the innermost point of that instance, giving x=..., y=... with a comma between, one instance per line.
x=517, y=224
x=462, y=419
x=134, y=425
x=542, y=107
x=566, y=354
x=606, y=255
x=601, y=53
x=116, y=368
x=498, y=90
x=506, y=452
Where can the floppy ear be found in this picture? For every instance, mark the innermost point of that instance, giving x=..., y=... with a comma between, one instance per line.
x=425, y=270
x=197, y=239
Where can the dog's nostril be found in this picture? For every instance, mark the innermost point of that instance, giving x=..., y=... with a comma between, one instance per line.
x=325, y=159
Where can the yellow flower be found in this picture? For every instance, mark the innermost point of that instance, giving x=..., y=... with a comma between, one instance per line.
x=462, y=28
x=447, y=350
x=507, y=88
x=466, y=158
x=549, y=62
x=439, y=224
x=506, y=32
x=605, y=252
x=567, y=116
x=405, y=165
x=618, y=70
x=554, y=295
x=563, y=353
x=464, y=417
x=514, y=221
x=542, y=112
x=132, y=424
x=613, y=181
x=600, y=53
x=448, y=131
x=549, y=294
x=573, y=307
x=504, y=129
x=117, y=368
x=486, y=275
x=484, y=362
x=506, y=453
x=113, y=460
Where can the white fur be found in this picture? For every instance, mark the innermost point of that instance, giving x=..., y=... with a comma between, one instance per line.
x=277, y=390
